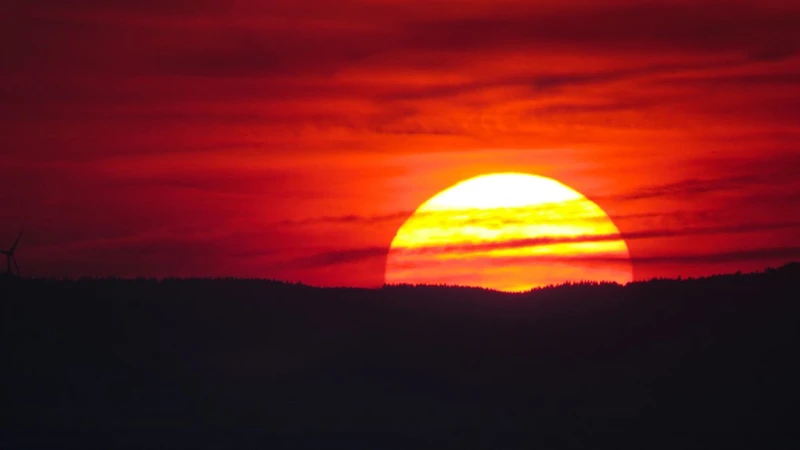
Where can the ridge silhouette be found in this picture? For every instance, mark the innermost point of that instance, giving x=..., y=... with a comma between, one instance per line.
x=235, y=363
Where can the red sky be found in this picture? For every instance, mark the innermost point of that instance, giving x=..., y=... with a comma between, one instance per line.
x=290, y=139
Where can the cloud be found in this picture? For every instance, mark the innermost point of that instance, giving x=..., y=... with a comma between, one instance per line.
x=248, y=39
x=776, y=255
x=349, y=219
x=746, y=255
x=682, y=188
x=760, y=254
x=121, y=12
x=334, y=257
x=269, y=65
x=789, y=78
x=704, y=26
x=310, y=49
x=461, y=217
x=636, y=235
x=295, y=80
x=692, y=186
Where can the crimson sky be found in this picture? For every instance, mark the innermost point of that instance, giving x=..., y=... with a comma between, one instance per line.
x=290, y=139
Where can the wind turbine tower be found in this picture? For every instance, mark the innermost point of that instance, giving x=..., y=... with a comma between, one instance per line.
x=10, y=257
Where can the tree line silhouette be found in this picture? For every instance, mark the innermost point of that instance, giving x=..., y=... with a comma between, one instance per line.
x=209, y=363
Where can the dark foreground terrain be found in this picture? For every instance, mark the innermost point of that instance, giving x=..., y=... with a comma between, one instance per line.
x=708, y=363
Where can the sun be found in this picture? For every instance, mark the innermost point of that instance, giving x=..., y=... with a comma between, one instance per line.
x=509, y=232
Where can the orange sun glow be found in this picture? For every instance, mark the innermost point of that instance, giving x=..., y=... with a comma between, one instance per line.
x=510, y=232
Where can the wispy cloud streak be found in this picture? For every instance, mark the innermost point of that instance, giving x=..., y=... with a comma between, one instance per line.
x=476, y=249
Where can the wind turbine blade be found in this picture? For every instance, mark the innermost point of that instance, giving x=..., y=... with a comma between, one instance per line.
x=16, y=265
x=14, y=247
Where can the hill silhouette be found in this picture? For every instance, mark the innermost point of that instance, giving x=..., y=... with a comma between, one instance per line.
x=228, y=363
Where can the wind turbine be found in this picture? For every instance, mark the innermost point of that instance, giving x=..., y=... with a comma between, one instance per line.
x=10, y=256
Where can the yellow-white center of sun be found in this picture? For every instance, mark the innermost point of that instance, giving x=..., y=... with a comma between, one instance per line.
x=508, y=231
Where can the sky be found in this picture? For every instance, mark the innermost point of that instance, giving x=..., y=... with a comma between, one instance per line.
x=291, y=139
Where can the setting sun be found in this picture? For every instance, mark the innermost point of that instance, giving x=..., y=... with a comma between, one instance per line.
x=510, y=232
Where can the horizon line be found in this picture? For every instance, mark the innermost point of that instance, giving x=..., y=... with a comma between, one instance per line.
x=766, y=270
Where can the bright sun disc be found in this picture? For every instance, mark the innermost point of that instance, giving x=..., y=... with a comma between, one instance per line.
x=510, y=232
